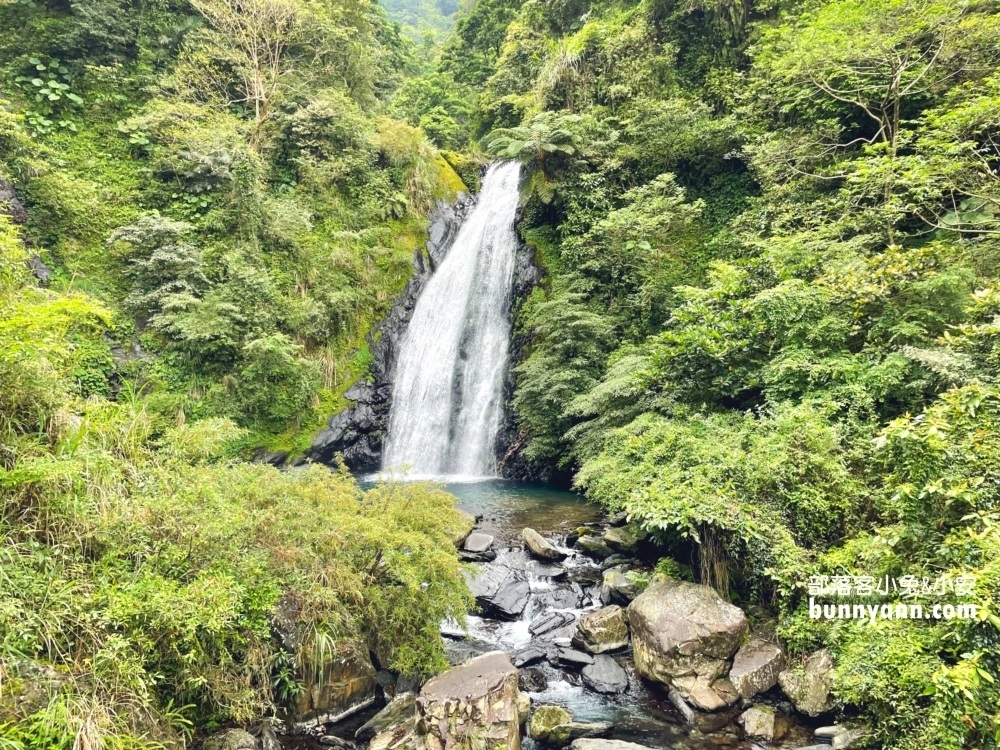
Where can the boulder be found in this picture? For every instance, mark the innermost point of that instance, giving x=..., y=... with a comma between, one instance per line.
x=541, y=547
x=808, y=685
x=549, y=622
x=764, y=723
x=528, y=657
x=463, y=527
x=683, y=634
x=470, y=706
x=343, y=685
x=477, y=542
x=231, y=739
x=399, y=737
x=571, y=658
x=625, y=539
x=605, y=676
x=706, y=693
x=682, y=706
x=500, y=591
x=756, y=666
x=603, y=630
x=545, y=719
x=596, y=744
x=400, y=710
x=618, y=587
x=532, y=680
x=594, y=547
x=680, y=629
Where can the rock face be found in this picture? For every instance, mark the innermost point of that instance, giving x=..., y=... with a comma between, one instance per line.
x=357, y=432
x=808, y=685
x=541, y=547
x=756, y=667
x=471, y=706
x=603, y=630
x=683, y=634
x=348, y=685
x=605, y=676
x=763, y=722
x=399, y=710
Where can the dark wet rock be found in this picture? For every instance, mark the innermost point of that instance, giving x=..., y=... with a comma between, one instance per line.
x=618, y=519
x=615, y=559
x=808, y=684
x=477, y=557
x=399, y=710
x=625, y=539
x=39, y=270
x=357, y=431
x=267, y=738
x=478, y=700
x=532, y=680
x=586, y=575
x=459, y=652
x=500, y=591
x=408, y=684
x=549, y=622
x=331, y=740
x=541, y=547
x=594, y=547
x=571, y=658
x=605, y=676
x=603, y=630
x=477, y=542
x=547, y=570
x=618, y=586
x=528, y=657
x=560, y=598
x=756, y=666
x=334, y=690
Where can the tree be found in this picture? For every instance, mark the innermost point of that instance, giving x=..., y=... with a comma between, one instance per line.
x=548, y=135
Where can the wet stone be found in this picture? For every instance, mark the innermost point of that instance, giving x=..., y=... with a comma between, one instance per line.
x=570, y=657
x=605, y=676
x=532, y=680
x=528, y=657
x=548, y=623
x=478, y=542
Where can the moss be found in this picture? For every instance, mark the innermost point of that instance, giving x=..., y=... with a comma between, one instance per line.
x=449, y=182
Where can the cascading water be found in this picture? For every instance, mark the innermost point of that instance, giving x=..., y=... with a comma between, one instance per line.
x=447, y=398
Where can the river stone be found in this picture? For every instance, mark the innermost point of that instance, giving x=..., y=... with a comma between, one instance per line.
x=564, y=734
x=400, y=737
x=763, y=722
x=594, y=547
x=618, y=587
x=545, y=719
x=471, y=704
x=808, y=685
x=477, y=542
x=231, y=739
x=528, y=657
x=398, y=711
x=682, y=629
x=605, y=676
x=596, y=744
x=602, y=630
x=625, y=539
x=707, y=692
x=756, y=666
x=541, y=547
x=572, y=658
x=463, y=527
x=532, y=680
x=549, y=622
x=848, y=737
x=682, y=706
x=500, y=591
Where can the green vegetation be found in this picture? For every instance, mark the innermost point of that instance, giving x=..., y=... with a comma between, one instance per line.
x=769, y=327
x=226, y=208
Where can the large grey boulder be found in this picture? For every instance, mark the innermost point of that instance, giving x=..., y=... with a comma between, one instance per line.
x=231, y=739
x=594, y=547
x=471, y=706
x=683, y=634
x=808, y=684
x=756, y=667
x=500, y=591
x=541, y=547
x=605, y=676
x=618, y=586
x=605, y=629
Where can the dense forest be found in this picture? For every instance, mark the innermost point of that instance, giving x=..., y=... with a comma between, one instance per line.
x=768, y=330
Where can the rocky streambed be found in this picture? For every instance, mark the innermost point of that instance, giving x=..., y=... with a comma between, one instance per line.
x=578, y=643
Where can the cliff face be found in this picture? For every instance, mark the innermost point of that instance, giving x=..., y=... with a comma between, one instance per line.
x=358, y=431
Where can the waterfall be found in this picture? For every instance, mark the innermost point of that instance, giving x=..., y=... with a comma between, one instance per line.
x=447, y=397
